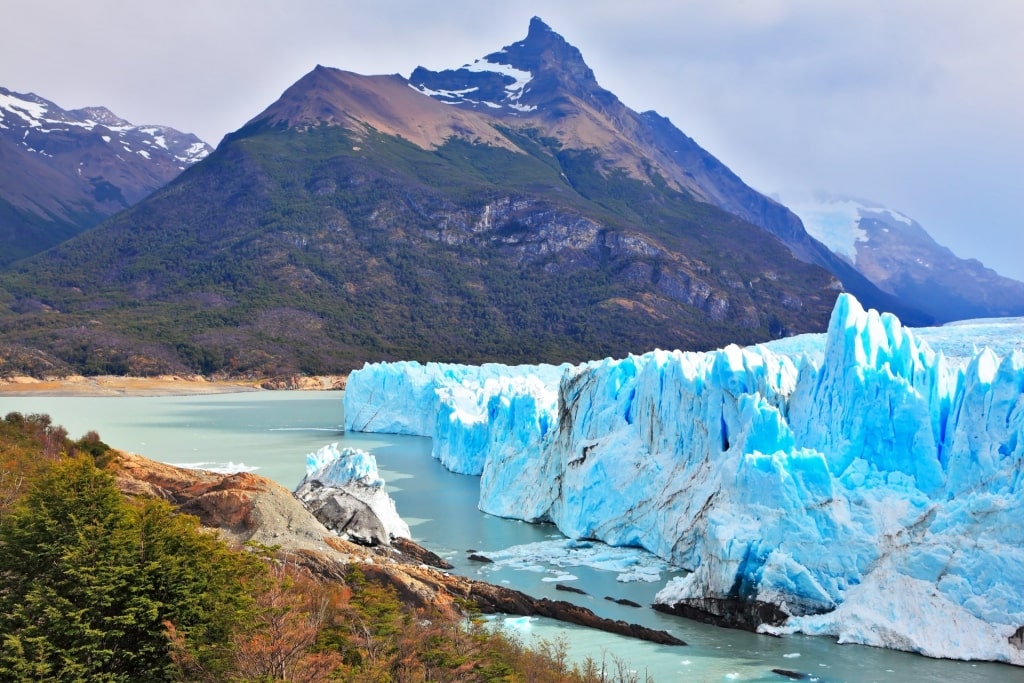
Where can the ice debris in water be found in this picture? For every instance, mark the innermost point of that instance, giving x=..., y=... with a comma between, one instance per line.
x=631, y=564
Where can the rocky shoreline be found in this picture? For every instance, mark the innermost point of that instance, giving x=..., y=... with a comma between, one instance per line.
x=248, y=508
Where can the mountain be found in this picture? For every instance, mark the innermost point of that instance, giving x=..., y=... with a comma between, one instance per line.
x=863, y=484
x=543, y=83
x=895, y=253
x=377, y=217
x=62, y=172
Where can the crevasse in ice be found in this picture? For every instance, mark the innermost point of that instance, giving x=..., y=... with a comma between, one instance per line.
x=862, y=481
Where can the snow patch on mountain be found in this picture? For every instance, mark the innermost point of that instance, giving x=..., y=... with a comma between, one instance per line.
x=836, y=224
x=447, y=96
x=514, y=90
x=512, y=87
x=30, y=110
x=836, y=221
x=817, y=480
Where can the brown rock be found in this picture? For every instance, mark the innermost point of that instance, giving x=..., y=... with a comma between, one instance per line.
x=417, y=553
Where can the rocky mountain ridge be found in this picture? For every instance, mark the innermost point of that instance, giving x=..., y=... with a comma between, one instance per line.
x=542, y=90
x=543, y=83
x=62, y=171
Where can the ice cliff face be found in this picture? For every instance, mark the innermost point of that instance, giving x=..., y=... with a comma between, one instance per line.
x=867, y=488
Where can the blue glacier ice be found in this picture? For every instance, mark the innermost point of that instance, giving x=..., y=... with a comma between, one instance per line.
x=867, y=481
x=337, y=467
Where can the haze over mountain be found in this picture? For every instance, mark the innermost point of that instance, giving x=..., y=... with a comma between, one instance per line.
x=512, y=210
x=896, y=253
x=62, y=172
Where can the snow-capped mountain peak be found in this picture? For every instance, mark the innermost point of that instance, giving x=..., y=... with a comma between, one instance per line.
x=519, y=78
x=899, y=256
x=28, y=109
x=40, y=126
x=833, y=221
x=93, y=116
x=65, y=170
x=839, y=222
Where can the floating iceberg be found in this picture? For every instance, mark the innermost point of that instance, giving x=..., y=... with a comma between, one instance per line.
x=864, y=484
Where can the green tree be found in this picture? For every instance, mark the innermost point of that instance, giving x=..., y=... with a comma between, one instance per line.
x=90, y=582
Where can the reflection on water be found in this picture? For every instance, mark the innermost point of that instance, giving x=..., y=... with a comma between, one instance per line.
x=273, y=431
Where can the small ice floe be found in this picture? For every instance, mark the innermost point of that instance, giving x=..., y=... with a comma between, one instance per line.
x=520, y=623
x=630, y=564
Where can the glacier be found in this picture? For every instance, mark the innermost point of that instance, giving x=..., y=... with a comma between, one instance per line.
x=863, y=484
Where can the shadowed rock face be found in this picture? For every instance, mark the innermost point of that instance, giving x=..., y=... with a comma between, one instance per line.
x=246, y=507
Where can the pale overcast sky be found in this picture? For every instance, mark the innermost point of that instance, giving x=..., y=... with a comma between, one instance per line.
x=916, y=104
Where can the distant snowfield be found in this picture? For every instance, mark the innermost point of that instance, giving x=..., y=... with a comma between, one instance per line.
x=867, y=481
x=35, y=113
x=835, y=222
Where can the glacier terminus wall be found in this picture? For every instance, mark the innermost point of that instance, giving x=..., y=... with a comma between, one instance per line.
x=864, y=484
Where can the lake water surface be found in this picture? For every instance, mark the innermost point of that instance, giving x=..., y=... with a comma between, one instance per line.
x=273, y=432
